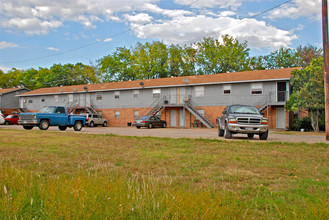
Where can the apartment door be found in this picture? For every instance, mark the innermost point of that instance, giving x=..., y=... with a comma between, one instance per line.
x=173, y=118
x=181, y=118
x=182, y=95
x=282, y=91
x=82, y=100
x=280, y=118
x=173, y=95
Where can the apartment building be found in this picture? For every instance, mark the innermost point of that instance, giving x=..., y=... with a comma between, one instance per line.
x=182, y=101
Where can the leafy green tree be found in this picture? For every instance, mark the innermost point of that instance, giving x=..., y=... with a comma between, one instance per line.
x=308, y=91
x=216, y=57
x=308, y=53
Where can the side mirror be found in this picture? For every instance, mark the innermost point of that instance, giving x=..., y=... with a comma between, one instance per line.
x=224, y=112
x=262, y=113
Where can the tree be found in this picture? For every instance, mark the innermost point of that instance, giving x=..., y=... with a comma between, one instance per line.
x=215, y=57
x=308, y=91
x=308, y=53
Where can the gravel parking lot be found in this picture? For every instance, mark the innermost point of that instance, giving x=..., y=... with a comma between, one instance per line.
x=307, y=137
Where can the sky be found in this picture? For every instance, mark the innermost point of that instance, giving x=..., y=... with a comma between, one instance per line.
x=40, y=33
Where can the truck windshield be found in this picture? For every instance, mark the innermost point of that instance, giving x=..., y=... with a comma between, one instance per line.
x=243, y=110
x=48, y=109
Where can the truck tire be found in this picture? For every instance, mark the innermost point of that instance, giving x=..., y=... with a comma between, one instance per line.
x=228, y=133
x=77, y=126
x=92, y=124
x=150, y=125
x=105, y=124
x=62, y=128
x=263, y=136
x=27, y=127
x=220, y=132
x=44, y=125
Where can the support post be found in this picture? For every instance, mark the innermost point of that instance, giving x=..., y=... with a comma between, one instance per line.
x=326, y=61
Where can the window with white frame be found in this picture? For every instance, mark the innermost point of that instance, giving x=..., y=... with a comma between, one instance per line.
x=156, y=93
x=135, y=94
x=117, y=114
x=56, y=98
x=99, y=96
x=227, y=89
x=199, y=91
x=136, y=114
x=117, y=94
x=256, y=88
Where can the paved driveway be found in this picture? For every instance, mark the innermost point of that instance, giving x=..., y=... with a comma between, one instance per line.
x=307, y=137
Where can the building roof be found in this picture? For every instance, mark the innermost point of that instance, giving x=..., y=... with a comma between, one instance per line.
x=4, y=91
x=221, y=78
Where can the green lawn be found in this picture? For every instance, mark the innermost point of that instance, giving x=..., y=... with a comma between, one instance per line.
x=70, y=175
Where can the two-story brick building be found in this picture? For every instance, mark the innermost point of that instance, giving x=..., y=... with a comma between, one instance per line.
x=9, y=102
x=181, y=101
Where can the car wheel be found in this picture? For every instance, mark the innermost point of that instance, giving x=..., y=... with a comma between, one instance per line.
x=228, y=133
x=77, y=126
x=62, y=128
x=27, y=127
x=164, y=125
x=138, y=127
x=105, y=124
x=92, y=124
x=263, y=136
x=220, y=132
x=7, y=123
x=250, y=135
x=150, y=125
x=44, y=125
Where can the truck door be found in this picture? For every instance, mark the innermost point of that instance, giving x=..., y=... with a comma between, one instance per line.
x=60, y=118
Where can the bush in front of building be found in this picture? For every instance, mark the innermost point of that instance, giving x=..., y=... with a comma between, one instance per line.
x=305, y=123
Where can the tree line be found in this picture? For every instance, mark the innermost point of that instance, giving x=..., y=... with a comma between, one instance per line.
x=158, y=60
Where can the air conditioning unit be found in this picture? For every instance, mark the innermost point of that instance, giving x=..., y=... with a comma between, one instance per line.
x=166, y=102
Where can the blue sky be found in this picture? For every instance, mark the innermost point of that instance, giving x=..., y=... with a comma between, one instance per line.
x=40, y=33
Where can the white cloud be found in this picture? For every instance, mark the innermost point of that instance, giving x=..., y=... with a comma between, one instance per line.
x=5, y=68
x=52, y=48
x=107, y=39
x=42, y=16
x=4, y=45
x=299, y=8
x=211, y=3
x=183, y=29
x=141, y=18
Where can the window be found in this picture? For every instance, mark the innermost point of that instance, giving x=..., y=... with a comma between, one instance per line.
x=99, y=96
x=199, y=91
x=70, y=97
x=135, y=94
x=30, y=101
x=117, y=95
x=117, y=114
x=227, y=89
x=136, y=114
x=200, y=111
x=156, y=93
x=56, y=98
x=256, y=88
x=60, y=110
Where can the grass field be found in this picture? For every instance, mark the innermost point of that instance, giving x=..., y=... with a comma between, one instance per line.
x=64, y=175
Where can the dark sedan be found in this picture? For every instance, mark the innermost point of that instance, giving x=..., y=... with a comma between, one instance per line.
x=149, y=122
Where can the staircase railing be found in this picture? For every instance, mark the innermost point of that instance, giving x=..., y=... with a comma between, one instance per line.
x=264, y=101
x=151, y=108
x=193, y=108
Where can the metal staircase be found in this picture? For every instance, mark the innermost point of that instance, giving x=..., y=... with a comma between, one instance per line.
x=202, y=118
x=22, y=110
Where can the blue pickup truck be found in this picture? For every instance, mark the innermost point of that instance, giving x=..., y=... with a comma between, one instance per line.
x=52, y=116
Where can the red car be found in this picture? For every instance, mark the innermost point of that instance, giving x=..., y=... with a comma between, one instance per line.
x=11, y=119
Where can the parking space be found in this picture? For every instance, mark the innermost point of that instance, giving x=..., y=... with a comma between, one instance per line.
x=307, y=137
